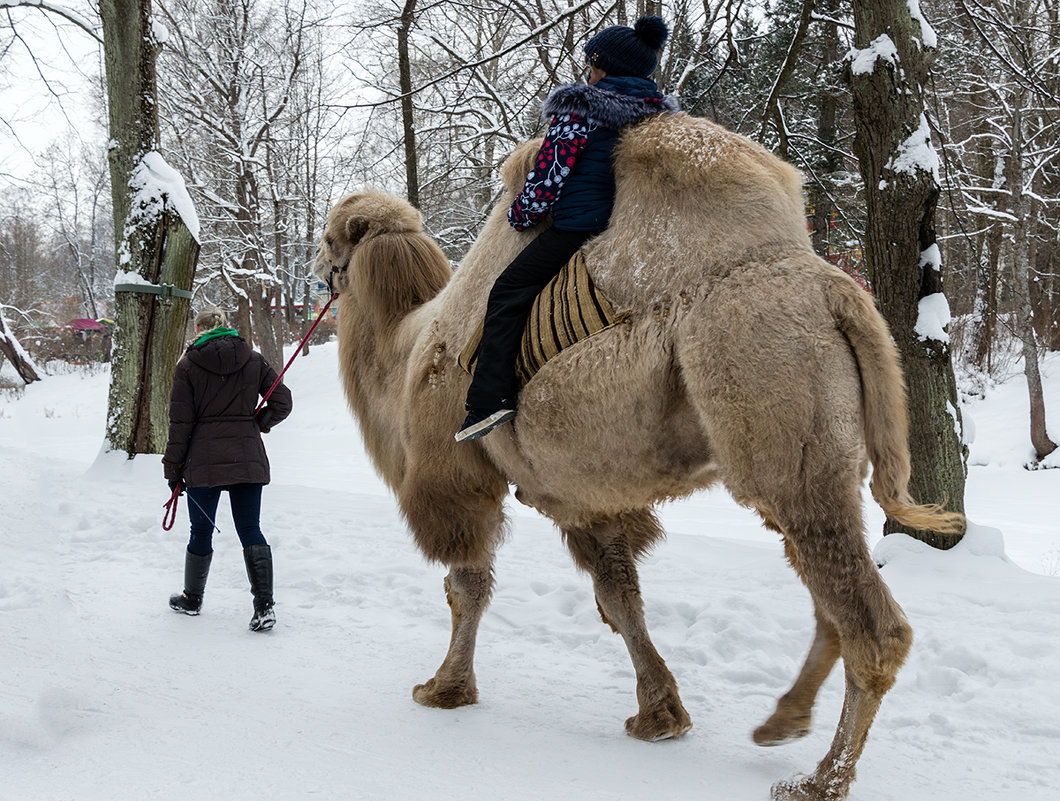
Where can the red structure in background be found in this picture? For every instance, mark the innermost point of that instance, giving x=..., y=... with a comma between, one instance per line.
x=86, y=340
x=86, y=324
x=845, y=262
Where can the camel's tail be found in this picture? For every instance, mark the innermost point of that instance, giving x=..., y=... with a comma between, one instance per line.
x=886, y=418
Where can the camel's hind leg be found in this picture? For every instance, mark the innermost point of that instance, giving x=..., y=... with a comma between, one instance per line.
x=874, y=638
x=791, y=719
x=608, y=550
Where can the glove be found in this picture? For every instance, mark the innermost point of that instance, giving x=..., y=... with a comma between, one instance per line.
x=173, y=484
x=263, y=419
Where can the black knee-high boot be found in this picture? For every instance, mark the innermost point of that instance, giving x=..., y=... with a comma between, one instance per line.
x=258, y=559
x=196, y=569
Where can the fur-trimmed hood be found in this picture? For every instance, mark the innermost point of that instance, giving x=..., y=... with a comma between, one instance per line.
x=222, y=355
x=614, y=102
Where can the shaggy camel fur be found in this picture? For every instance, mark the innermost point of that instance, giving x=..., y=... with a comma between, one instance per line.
x=746, y=360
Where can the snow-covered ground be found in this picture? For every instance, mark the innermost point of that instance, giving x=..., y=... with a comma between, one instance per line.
x=106, y=694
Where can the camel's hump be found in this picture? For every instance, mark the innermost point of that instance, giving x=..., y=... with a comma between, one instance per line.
x=693, y=201
x=691, y=151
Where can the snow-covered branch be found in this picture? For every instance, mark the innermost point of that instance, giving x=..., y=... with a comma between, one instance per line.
x=45, y=6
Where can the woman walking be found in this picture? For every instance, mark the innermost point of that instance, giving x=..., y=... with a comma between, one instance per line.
x=215, y=445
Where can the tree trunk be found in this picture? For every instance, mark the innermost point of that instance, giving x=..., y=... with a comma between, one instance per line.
x=829, y=162
x=772, y=108
x=307, y=306
x=1049, y=294
x=408, y=127
x=899, y=170
x=986, y=297
x=265, y=323
x=1021, y=210
x=154, y=246
x=241, y=320
x=255, y=281
x=10, y=347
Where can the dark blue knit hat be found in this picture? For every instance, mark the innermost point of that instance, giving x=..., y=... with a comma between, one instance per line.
x=619, y=50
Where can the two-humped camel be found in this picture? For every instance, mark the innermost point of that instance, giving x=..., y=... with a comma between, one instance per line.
x=746, y=360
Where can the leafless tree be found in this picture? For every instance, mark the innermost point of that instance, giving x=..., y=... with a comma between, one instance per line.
x=1004, y=158
x=232, y=71
x=887, y=71
x=78, y=187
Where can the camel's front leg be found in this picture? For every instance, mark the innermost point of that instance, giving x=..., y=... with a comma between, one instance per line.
x=468, y=592
x=607, y=550
x=453, y=501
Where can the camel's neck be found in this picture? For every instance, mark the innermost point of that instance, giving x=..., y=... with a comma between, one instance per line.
x=373, y=356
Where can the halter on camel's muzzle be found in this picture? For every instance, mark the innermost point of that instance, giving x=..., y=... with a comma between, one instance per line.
x=331, y=275
x=357, y=228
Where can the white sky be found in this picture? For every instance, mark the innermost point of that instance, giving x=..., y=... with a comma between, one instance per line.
x=33, y=115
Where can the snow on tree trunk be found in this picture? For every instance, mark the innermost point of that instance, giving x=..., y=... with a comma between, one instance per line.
x=886, y=69
x=155, y=234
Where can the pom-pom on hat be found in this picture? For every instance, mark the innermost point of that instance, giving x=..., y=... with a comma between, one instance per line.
x=620, y=50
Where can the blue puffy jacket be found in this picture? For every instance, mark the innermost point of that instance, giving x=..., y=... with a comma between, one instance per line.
x=573, y=177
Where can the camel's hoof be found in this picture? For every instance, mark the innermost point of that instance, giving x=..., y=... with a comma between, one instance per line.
x=662, y=723
x=444, y=696
x=807, y=788
x=777, y=730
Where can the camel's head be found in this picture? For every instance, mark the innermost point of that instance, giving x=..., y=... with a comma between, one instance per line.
x=355, y=220
x=373, y=249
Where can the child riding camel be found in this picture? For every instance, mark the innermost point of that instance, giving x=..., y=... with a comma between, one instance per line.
x=573, y=179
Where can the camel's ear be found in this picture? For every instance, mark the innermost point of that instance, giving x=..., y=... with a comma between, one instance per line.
x=356, y=228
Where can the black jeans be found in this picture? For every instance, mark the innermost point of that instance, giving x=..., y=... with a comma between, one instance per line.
x=246, y=514
x=495, y=385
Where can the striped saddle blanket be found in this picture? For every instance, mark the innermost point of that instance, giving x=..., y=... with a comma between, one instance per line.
x=569, y=309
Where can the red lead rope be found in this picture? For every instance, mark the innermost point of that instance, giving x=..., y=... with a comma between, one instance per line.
x=169, y=517
x=298, y=350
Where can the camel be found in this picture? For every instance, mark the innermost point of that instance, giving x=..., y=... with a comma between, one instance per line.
x=744, y=359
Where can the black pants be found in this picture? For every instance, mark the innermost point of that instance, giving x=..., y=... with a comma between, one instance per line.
x=495, y=385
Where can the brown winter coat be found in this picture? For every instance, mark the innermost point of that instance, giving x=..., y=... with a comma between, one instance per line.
x=214, y=439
